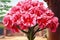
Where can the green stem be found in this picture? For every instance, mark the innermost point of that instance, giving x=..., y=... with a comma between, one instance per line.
x=21, y=30
x=38, y=30
x=24, y=31
x=30, y=34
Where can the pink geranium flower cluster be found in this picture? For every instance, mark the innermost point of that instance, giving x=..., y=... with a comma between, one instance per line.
x=29, y=13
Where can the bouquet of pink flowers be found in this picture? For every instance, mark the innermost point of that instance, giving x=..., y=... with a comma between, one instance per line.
x=29, y=14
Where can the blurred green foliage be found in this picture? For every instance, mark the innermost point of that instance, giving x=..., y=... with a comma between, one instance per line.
x=4, y=7
x=5, y=0
x=1, y=18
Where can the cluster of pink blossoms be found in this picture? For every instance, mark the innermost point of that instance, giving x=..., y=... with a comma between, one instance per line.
x=29, y=13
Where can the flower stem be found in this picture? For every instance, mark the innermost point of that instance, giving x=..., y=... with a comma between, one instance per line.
x=30, y=34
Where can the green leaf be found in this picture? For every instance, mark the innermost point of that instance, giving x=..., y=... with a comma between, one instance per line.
x=5, y=0
x=1, y=18
x=2, y=13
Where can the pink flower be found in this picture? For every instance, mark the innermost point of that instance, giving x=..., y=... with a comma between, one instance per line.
x=9, y=25
x=37, y=11
x=14, y=28
x=53, y=24
x=29, y=20
x=14, y=9
x=42, y=23
x=19, y=4
x=22, y=27
x=7, y=22
x=25, y=7
x=49, y=14
x=34, y=3
x=16, y=17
